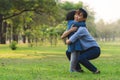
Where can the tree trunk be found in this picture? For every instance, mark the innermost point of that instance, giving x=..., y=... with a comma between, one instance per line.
x=9, y=35
x=15, y=35
x=29, y=40
x=1, y=27
x=4, y=29
x=24, y=38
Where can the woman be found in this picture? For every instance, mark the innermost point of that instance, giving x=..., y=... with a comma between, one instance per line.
x=88, y=43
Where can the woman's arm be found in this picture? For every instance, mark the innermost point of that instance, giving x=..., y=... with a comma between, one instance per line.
x=68, y=41
x=77, y=35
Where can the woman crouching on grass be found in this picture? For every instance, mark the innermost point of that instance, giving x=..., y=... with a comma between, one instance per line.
x=91, y=49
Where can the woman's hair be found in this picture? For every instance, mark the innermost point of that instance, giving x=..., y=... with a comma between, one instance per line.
x=84, y=12
x=70, y=15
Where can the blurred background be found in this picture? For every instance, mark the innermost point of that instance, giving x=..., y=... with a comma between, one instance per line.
x=38, y=22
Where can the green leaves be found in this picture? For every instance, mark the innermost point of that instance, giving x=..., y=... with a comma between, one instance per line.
x=5, y=6
x=71, y=6
x=16, y=7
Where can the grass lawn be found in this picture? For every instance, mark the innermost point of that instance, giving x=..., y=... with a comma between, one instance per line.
x=50, y=63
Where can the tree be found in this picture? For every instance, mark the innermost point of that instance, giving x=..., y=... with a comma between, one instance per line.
x=71, y=6
x=107, y=31
x=10, y=8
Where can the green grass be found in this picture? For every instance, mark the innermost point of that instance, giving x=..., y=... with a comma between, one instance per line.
x=50, y=63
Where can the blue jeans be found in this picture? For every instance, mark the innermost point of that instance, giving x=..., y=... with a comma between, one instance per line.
x=84, y=58
x=87, y=55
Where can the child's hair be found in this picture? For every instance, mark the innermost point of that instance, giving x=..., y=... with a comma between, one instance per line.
x=84, y=12
x=70, y=15
x=77, y=12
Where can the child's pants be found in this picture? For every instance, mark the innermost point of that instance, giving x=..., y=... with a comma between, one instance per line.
x=73, y=61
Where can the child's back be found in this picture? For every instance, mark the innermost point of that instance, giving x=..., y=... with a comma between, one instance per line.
x=76, y=46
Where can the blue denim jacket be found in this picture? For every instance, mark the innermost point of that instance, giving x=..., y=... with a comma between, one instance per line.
x=76, y=46
x=85, y=38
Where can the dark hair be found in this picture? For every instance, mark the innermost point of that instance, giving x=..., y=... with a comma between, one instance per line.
x=84, y=12
x=70, y=15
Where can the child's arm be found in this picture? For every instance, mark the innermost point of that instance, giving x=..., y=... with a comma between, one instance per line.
x=66, y=33
x=72, y=30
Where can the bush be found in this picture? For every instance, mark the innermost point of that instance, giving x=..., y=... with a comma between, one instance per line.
x=13, y=45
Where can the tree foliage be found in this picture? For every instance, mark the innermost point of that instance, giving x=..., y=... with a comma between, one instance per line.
x=10, y=9
x=38, y=20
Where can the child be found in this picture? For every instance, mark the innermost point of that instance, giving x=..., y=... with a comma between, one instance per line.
x=74, y=48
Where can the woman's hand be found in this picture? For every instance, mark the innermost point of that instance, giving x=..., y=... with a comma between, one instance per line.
x=68, y=41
